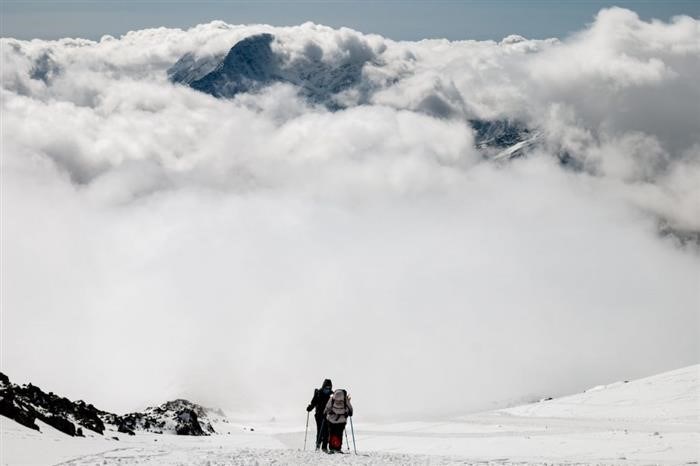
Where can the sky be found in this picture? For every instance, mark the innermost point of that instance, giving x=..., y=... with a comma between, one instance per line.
x=399, y=20
x=158, y=242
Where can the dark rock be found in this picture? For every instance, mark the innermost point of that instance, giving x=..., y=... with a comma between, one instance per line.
x=60, y=423
x=187, y=423
x=23, y=415
x=13, y=407
x=25, y=404
x=249, y=64
x=189, y=419
x=125, y=430
x=499, y=134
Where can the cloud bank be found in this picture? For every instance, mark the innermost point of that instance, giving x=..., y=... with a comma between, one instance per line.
x=161, y=242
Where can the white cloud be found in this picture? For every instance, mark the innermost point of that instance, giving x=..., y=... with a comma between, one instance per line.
x=166, y=243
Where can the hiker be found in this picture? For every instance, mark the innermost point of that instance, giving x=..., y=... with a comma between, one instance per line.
x=337, y=411
x=318, y=402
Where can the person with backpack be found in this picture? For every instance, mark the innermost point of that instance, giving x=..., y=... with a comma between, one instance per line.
x=338, y=410
x=319, y=402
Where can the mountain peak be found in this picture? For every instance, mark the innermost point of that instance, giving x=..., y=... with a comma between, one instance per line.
x=252, y=64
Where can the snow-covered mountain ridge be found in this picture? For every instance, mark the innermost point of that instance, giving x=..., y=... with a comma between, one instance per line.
x=654, y=420
x=672, y=396
x=27, y=404
x=251, y=64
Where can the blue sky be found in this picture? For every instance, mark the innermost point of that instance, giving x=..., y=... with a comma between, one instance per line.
x=409, y=20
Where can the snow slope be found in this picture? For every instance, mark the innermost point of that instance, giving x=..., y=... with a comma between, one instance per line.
x=655, y=420
x=671, y=397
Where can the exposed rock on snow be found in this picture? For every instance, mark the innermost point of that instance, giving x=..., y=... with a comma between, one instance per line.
x=27, y=403
x=499, y=134
x=252, y=64
x=189, y=69
x=179, y=417
x=655, y=420
x=504, y=139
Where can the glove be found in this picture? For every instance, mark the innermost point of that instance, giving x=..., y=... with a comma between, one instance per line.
x=349, y=413
x=309, y=408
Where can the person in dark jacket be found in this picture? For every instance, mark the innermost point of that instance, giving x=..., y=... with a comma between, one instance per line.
x=319, y=402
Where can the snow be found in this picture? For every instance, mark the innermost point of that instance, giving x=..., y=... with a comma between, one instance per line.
x=672, y=396
x=518, y=148
x=655, y=420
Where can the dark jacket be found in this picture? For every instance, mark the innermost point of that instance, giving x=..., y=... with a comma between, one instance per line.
x=320, y=399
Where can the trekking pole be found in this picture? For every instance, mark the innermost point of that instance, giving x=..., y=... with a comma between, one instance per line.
x=347, y=442
x=306, y=431
x=320, y=434
x=354, y=446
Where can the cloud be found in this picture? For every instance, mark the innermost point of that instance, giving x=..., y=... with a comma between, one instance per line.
x=164, y=243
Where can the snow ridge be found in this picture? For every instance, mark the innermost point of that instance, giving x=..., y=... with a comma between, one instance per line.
x=654, y=420
x=28, y=403
x=252, y=64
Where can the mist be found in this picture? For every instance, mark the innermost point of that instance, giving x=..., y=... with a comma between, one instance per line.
x=158, y=242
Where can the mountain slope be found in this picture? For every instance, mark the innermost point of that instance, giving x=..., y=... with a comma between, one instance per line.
x=673, y=395
x=252, y=64
x=655, y=420
x=28, y=404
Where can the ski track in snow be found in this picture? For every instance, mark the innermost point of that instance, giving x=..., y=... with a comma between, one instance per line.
x=650, y=421
x=254, y=457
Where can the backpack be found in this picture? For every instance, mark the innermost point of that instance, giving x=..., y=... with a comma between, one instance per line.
x=339, y=403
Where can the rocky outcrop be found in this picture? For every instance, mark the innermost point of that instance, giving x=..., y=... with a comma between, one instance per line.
x=179, y=417
x=26, y=404
x=188, y=424
x=14, y=408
